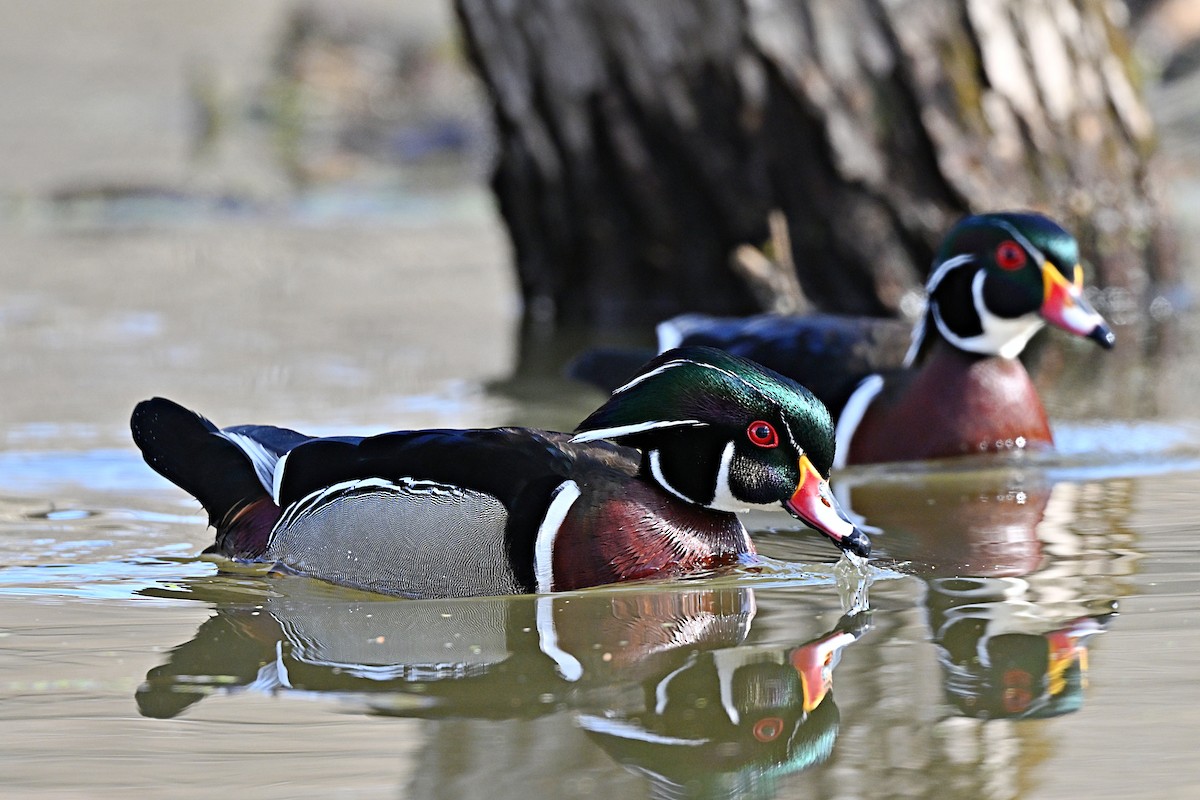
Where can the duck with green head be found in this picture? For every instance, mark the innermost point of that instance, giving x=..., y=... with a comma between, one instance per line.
x=957, y=386
x=648, y=486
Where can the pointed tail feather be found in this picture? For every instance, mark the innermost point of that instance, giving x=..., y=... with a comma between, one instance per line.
x=188, y=450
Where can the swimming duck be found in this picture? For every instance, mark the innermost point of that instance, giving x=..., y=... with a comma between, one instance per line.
x=958, y=388
x=648, y=486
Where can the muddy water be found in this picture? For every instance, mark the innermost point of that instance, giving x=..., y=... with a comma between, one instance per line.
x=1034, y=623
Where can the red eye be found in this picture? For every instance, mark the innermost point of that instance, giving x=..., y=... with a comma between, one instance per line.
x=768, y=729
x=1010, y=255
x=762, y=433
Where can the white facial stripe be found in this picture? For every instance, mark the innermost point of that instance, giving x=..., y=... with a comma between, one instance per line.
x=723, y=498
x=679, y=362
x=656, y=371
x=852, y=415
x=660, y=479
x=792, y=438
x=1001, y=336
x=935, y=279
x=1021, y=240
x=563, y=498
x=944, y=268
x=626, y=430
x=264, y=460
x=947, y=334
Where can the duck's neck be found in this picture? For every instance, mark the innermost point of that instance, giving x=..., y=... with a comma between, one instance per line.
x=954, y=403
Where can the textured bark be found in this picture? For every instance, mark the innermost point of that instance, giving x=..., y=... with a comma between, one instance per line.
x=641, y=143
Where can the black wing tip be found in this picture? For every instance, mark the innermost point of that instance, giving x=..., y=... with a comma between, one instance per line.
x=180, y=445
x=158, y=411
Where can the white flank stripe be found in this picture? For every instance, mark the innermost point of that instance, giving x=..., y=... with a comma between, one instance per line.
x=562, y=499
x=264, y=460
x=723, y=499
x=626, y=430
x=277, y=482
x=852, y=415
x=568, y=666
x=656, y=471
x=313, y=500
x=271, y=676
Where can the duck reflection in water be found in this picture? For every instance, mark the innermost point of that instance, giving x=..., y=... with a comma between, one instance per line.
x=1014, y=595
x=725, y=719
x=999, y=659
x=667, y=680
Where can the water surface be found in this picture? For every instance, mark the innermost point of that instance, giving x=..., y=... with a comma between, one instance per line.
x=1033, y=626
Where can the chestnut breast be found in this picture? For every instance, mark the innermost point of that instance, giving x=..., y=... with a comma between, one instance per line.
x=956, y=403
x=631, y=529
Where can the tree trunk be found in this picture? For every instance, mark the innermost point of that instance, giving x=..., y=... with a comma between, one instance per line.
x=641, y=143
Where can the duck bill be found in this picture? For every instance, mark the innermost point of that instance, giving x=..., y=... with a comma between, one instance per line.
x=1064, y=306
x=814, y=504
x=814, y=663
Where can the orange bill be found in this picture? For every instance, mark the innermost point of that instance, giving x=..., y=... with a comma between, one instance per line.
x=814, y=664
x=814, y=504
x=1064, y=306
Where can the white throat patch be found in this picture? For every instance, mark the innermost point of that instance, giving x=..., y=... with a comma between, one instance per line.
x=1001, y=336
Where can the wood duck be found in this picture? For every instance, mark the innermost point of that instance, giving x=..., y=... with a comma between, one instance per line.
x=648, y=486
x=958, y=388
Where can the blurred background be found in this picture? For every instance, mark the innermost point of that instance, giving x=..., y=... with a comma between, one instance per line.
x=238, y=202
x=284, y=206
x=287, y=203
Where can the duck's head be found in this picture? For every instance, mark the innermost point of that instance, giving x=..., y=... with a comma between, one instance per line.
x=998, y=278
x=725, y=433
